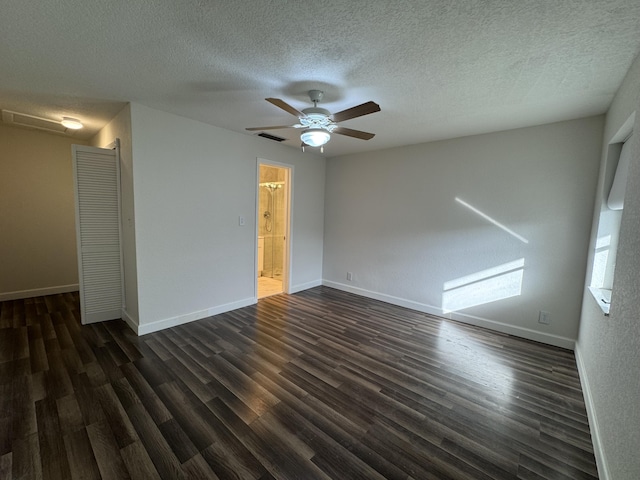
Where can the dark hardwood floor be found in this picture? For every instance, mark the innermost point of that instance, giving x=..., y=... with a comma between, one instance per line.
x=321, y=384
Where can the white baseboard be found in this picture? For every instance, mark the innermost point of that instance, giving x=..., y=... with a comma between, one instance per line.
x=129, y=320
x=401, y=302
x=38, y=292
x=549, y=339
x=603, y=470
x=304, y=286
x=522, y=332
x=157, y=325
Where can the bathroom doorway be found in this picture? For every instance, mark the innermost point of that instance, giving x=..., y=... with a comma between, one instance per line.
x=273, y=229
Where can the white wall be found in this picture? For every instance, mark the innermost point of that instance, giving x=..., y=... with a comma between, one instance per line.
x=191, y=183
x=608, y=348
x=37, y=214
x=120, y=127
x=392, y=219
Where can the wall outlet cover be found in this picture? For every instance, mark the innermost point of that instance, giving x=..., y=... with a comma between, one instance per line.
x=544, y=317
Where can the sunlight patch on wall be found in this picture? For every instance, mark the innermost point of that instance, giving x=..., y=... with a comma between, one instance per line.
x=485, y=286
x=492, y=220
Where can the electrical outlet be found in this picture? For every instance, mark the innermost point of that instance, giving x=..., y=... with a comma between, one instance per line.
x=349, y=276
x=544, y=317
x=241, y=221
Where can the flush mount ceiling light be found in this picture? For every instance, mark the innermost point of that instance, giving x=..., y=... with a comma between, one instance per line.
x=72, y=123
x=315, y=137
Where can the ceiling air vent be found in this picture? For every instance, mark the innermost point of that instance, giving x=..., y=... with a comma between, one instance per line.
x=30, y=121
x=271, y=137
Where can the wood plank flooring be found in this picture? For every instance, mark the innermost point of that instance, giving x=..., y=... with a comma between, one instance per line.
x=317, y=385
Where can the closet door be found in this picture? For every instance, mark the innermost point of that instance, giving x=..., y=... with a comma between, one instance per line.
x=97, y=192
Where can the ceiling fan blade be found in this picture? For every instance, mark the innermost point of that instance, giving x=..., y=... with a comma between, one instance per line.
x=357, y=111
x=285, y=106
x=353, y=133
x=275, y=127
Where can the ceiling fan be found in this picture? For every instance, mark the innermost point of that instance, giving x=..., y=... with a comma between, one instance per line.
x=318, y=123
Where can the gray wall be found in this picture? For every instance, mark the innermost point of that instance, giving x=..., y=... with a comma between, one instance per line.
x=120, y=127
x=608, y=348
x=191, y=183
x=493, y=227
x=37, y=214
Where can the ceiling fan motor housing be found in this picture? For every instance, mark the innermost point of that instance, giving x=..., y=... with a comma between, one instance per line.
x=316, y=117
x=316, y=112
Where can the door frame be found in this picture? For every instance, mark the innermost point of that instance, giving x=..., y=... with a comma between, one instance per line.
x=288, y=230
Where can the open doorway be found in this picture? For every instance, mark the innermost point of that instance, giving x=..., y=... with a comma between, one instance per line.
x=273, y=229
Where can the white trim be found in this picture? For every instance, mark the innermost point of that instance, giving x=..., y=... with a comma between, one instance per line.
x=130, y=321
x=305, y=286
x=401, y=302
x=38, y=292
x=602, y=296
x=549, y=339
x=150, y=327
x=625, y=131
x=256, y=229
x=288, y=233
x=603, y=470
x=529, y=334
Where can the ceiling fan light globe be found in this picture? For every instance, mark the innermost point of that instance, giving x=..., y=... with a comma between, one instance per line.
x=315, y=137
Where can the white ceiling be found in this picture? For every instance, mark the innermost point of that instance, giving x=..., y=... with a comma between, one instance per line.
x=438, y=69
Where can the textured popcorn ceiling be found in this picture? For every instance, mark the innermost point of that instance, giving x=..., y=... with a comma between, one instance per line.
x=438, y=69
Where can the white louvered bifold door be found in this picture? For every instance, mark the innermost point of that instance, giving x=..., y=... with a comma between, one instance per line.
x=97, y=188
